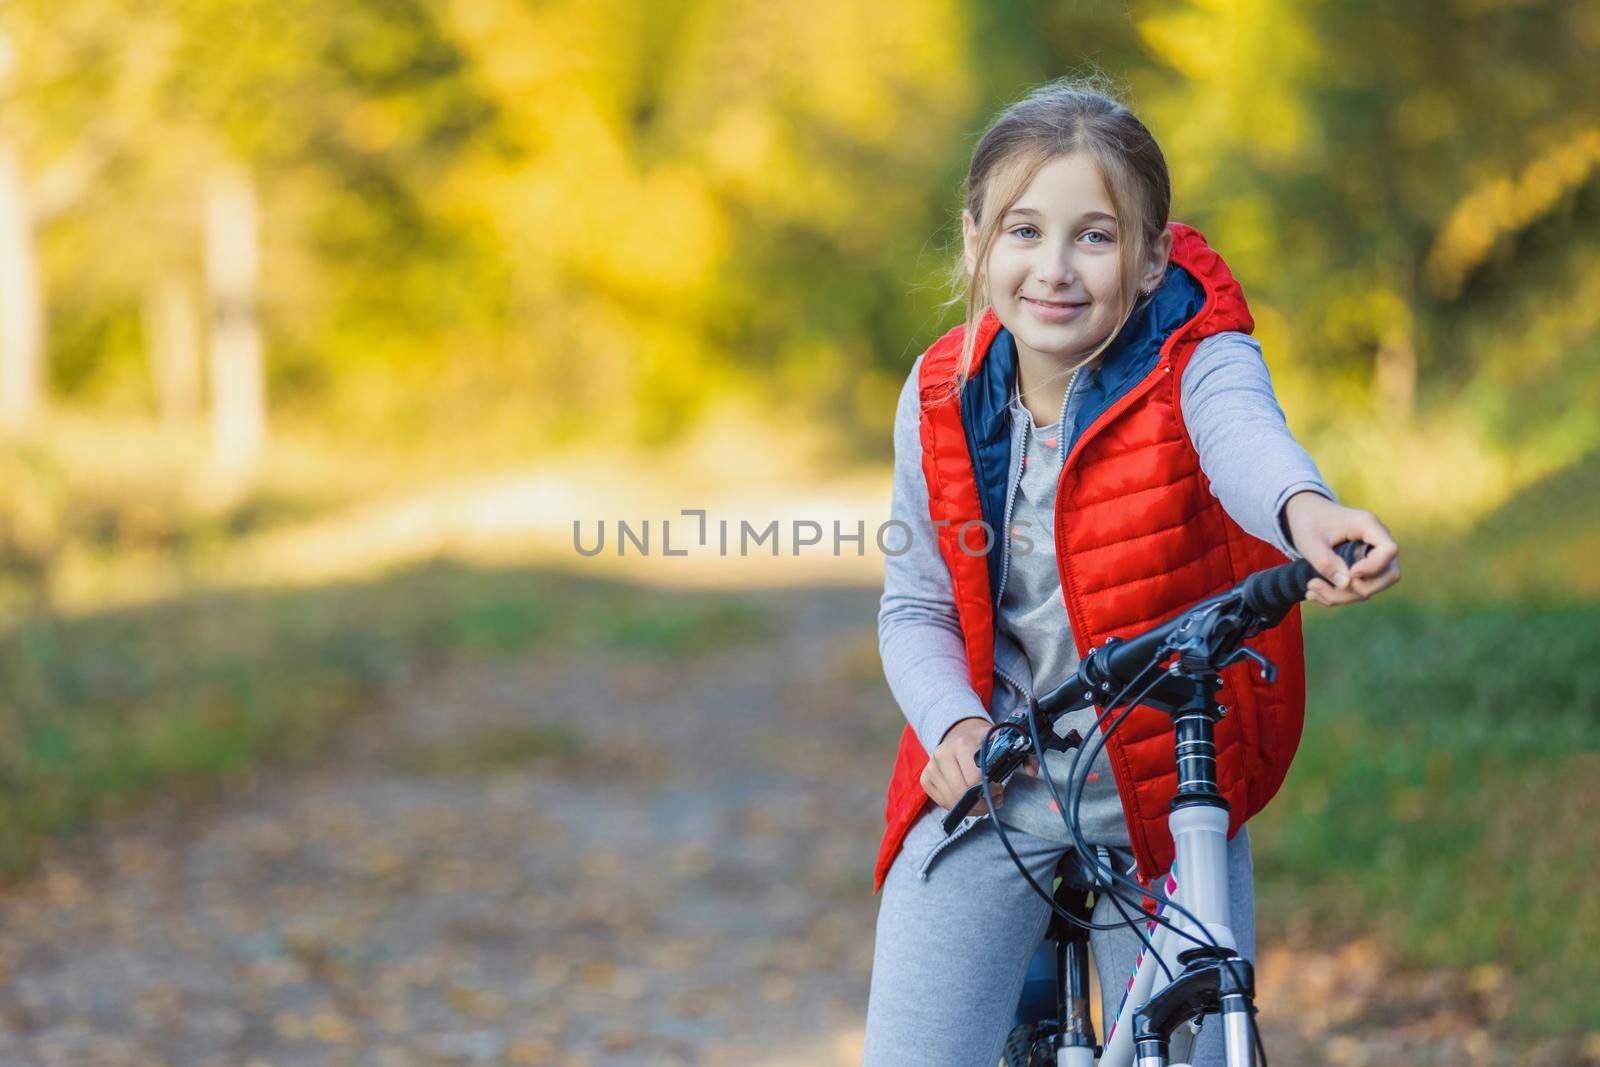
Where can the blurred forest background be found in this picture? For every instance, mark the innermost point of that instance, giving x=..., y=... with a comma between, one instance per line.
x=264, y=264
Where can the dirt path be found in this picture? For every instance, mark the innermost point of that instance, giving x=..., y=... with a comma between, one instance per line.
x=691, y=887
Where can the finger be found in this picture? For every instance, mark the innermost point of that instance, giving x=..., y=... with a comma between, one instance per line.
x=1376, y=561
x=1383, y=549
x=970, y=777
x=1334, y=597
x=949, y=770
x=1360, y=571
x=969, y=770
x=950, y=773
x=1320, y=554
x=967, y=774
x=981, y=806
x=1369, y=586
x=940, y=787
x=1319, y=591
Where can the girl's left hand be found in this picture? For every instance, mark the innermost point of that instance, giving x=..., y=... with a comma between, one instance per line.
x=1316, y=524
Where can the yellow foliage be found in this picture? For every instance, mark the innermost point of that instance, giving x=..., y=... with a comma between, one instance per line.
x=1503, y=206
x=1362, y=314
x=643, y=135
x=1246, y=61
x=376, y=125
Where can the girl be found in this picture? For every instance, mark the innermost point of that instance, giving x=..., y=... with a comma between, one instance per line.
x=1096, y=447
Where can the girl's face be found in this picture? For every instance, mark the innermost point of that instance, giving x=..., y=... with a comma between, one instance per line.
x=1053, y=270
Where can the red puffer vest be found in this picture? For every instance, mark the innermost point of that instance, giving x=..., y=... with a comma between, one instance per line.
x=1139, y=536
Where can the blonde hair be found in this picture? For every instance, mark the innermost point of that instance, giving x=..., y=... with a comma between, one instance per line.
x=1055, y=120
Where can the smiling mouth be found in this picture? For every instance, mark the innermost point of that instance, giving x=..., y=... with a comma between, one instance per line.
x=1054, y=306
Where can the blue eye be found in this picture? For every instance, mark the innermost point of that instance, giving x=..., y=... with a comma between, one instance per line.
x=1018, y=232
x=1106, y=239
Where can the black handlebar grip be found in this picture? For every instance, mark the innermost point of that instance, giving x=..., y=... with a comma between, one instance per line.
x=1271, y=593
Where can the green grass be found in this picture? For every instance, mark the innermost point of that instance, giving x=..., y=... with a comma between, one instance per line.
x=1540, y=547
x=99, y=711
x=1444, y=791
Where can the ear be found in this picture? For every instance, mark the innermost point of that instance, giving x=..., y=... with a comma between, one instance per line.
x=969, y=243
x=1156, y=265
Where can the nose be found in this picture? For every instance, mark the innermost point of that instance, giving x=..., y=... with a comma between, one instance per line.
x=1054, y=267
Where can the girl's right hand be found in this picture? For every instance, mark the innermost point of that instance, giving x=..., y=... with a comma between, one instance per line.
x=951, y=769
x=1316, y=524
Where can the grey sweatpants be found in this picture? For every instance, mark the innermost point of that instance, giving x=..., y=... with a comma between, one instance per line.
x=957, y=926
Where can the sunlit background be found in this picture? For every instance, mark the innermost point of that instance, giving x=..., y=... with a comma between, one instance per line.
x=322, y=324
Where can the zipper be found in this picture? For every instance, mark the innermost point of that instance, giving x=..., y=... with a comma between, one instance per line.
x=1011, y=501
x=967, y=824
x=1061, y=416
x=1011, y=495
x=1024, y=692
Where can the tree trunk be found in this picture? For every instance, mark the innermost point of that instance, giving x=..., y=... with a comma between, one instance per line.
x=1394, y=366
x=172, y=333
x=21, y=297
x=1394, y=372
x=238, y=387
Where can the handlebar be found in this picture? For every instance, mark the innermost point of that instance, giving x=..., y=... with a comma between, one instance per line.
x=1272, y=592
x=1213, y=629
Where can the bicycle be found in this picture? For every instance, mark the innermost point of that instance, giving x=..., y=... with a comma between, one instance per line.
x=1175, y=666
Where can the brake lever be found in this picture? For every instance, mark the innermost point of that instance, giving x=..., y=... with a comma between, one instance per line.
x=1269, y=669
x=953, y=817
